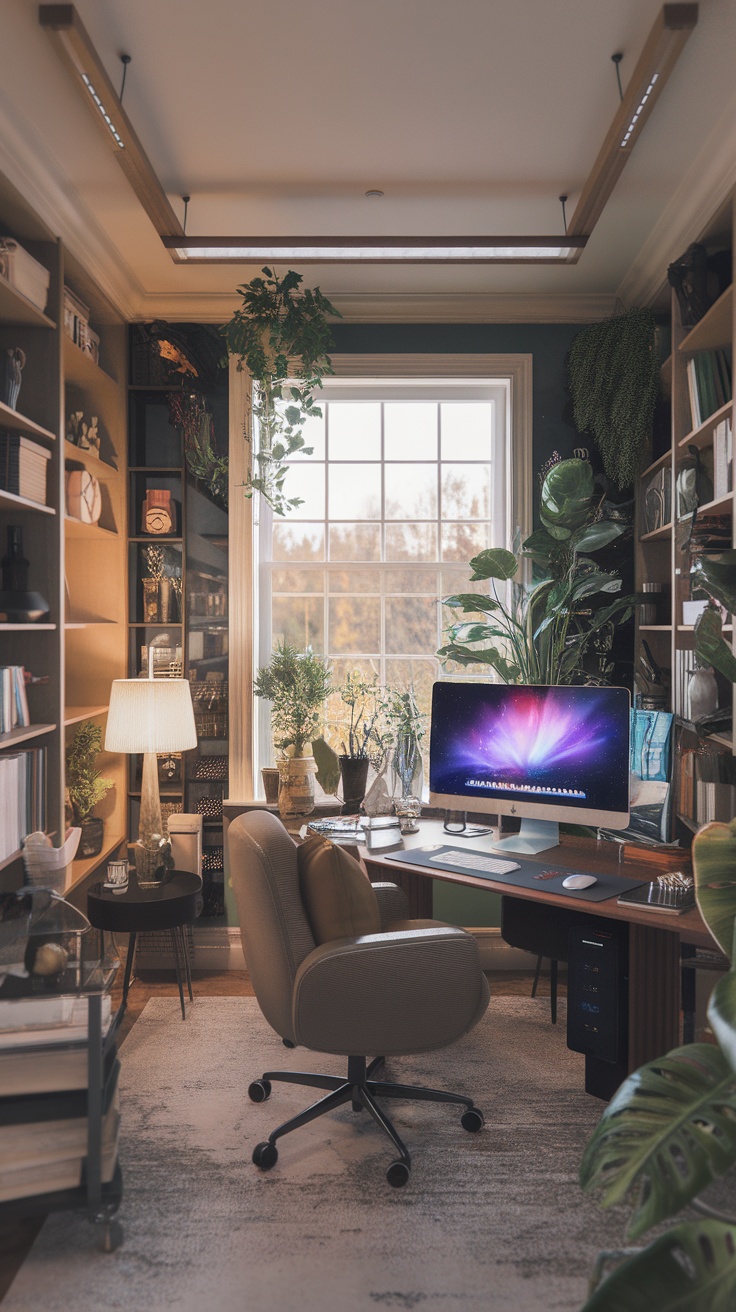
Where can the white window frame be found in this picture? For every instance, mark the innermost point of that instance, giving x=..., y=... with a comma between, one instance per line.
x=245, y=605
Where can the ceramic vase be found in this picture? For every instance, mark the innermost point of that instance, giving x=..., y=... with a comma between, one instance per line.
x=296, y=786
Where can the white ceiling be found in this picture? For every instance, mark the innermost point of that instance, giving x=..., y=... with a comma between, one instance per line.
x=277, y=115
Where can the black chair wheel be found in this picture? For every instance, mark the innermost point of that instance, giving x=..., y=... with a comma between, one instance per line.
x=472, y=1120
x=265, y=1155
x=397, y=1174
x=259, y=1090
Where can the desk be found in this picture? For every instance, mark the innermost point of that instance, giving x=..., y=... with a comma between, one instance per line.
x=654, y=937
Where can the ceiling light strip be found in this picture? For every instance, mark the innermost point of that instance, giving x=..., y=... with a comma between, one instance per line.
x=662, y=49
x=375, y=250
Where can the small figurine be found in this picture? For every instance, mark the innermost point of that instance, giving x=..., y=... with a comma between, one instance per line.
x=93, y=436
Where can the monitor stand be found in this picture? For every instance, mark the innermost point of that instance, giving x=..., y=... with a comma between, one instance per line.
x=534, y=836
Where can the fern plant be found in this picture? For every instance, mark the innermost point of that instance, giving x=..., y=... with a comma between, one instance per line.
x=281, y=335
x=85, y=784
x=613, y=376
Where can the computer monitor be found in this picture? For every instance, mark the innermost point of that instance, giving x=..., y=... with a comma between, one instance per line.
x=545, y=754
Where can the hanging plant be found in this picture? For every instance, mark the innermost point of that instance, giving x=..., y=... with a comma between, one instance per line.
x=281, y=336
x=613, y=377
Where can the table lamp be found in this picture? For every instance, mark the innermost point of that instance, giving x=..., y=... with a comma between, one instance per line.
x=150, y=716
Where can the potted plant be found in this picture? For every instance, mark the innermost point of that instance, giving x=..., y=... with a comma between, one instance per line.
x=85, y=786
x=280, y=334
x=406, y=725
x=670, y=1131
x=364, y=739
x=542, y=633
x=297, y=684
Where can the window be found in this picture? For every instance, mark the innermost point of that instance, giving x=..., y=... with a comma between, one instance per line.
x=409, y=478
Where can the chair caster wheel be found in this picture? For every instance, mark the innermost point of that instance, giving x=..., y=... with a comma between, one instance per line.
x=472, y=1120
x=259, y=1090
x=397, y=1174
x=265, y=1155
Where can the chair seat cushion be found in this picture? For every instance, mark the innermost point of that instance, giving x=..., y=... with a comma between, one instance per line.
x=338, y=896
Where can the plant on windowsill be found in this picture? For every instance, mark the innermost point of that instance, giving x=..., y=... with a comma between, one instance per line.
x=281, y=336
x=297, y=684
x=364, y=738
x=405, y=723
x=542, y=634
x=86, y=786
x=670, y=1131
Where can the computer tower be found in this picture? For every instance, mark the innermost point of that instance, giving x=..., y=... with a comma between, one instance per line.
x=597, y=1004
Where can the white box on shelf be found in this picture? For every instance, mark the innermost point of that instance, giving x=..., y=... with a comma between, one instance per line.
x=24, y=272
x=692, y=610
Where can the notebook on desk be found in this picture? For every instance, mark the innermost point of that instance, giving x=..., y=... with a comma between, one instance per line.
x=544, y=877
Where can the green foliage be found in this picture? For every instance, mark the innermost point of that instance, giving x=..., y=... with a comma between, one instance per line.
x=614, y=376
x=543, y=633
x=328, y=766
x=717, y=577
x=297, y=683
x=690, y=1269
x=280, y=334
x=671, y=1130
x=366, y=702
x=402, y=715
x=84, y=783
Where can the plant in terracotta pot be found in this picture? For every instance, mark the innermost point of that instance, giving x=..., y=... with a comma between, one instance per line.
x=297, y=685
x=365, y=737
x=86, y=786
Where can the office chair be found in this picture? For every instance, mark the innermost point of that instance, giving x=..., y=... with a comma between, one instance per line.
x=413, y=987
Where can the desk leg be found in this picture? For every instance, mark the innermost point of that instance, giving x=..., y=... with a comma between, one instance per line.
x=654, y=993
x=418, y=890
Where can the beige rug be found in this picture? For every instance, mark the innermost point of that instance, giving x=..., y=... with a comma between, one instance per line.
x=494, y=1220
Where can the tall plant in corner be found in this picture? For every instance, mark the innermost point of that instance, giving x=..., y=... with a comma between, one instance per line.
x=281, y=335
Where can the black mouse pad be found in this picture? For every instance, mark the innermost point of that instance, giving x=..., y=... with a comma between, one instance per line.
x=438, y=857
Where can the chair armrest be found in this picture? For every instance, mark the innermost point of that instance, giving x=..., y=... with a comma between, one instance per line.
x=392, y=903
x=409, y=991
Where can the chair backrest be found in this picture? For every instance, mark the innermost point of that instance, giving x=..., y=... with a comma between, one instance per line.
x=274, y=928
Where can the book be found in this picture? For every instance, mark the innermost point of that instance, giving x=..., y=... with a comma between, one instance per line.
x=23, y=466
x=22, y=797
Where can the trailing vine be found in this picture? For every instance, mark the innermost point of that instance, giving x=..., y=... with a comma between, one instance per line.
x=189, y=412
x=281, y=335
x=614, y=376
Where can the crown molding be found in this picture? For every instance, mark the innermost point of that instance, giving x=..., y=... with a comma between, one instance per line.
x=401, y=307
x=34, y=172
x=705, y=187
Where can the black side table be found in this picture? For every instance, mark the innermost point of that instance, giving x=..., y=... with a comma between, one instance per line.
x=174, y=903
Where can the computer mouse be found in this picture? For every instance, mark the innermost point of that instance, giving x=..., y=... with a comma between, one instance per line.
x=579, y=881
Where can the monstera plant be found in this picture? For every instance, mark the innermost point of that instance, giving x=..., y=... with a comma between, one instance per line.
x=717, y=577
x=541, y=633
x=670, y=1131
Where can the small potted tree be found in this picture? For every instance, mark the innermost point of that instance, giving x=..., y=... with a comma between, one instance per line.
x=297, y=685
x=86, y=786
x=364, y=738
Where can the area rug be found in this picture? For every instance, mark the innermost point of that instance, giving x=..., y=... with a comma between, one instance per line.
x=494, y=1220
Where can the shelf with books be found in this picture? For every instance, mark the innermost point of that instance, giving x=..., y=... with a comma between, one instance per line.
x=714, y=330
x=20, y=423
x=703, y=434
x=24, y=733
x=11, y=501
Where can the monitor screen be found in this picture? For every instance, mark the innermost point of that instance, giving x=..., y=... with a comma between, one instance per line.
x=531, y=751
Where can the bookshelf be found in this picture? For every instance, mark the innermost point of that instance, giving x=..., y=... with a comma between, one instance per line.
x=79, y=569
x=704, y=761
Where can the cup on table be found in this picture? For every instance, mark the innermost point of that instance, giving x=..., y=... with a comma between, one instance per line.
x=117, y=876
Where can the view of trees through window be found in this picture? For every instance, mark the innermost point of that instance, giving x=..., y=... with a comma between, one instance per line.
x=399, y=493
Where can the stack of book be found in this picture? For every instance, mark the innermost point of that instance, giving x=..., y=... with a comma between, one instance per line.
x=722, y=459
x=13, y=701
x=43, y=1051
x=709, y=384
x=23, y=466
x=22, y=798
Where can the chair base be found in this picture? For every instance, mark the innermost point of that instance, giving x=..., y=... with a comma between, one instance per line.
x=361, y=1090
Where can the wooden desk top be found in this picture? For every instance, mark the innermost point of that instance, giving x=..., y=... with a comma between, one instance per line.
x=575, y=853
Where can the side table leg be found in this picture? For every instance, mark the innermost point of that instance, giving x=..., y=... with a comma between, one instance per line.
x=177, y=963
x=187, y=962
x=128, y=970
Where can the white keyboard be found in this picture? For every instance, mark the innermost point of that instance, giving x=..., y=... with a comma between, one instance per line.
x=484, y=865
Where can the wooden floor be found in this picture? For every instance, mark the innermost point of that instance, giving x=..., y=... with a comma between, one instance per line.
x=16, y=1238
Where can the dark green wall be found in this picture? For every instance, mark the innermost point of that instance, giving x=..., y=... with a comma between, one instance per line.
x=553, y=430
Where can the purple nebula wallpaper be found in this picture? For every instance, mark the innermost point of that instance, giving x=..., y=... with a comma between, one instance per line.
x=560, y=746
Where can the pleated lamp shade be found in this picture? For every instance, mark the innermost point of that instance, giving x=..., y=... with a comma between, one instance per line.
x=150, y=715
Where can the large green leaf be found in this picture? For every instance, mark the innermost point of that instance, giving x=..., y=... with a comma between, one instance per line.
x=465, y=656
x=475, y=632
x=710, y=646
x=567, y=494
x=594, y=536
x=717, y=577
x=668, y=1132
x=714, y=866
x=471, y=602
x=496, y=563
x=596, y=582
x=690, y=1269
x=540, y=546
x=722, y=1016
